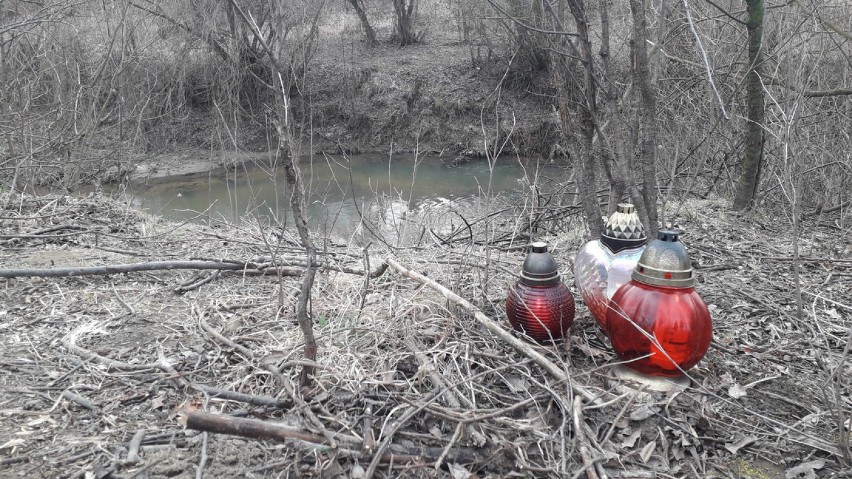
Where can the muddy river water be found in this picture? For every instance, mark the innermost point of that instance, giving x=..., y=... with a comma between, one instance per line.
x=340, y=190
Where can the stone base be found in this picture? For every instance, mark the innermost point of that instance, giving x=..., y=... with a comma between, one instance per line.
x=629, y=379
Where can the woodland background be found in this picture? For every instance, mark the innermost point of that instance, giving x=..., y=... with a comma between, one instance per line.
x=729, y=119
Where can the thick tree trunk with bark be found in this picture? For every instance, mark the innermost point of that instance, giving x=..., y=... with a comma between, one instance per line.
x=753, y=154
x=358, y=5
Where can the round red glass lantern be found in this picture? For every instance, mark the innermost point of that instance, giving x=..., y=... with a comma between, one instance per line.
x=540, y=305
x=657, y=323
x=602, y=266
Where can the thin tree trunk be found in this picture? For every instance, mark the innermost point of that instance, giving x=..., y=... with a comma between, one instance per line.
x=287, y=155
x=585, y=162
x=622, y=134
x=403, y=21
x=362, y=15
x=611, y=159
x=648, y=142
x=753, y=154
x=617, y=185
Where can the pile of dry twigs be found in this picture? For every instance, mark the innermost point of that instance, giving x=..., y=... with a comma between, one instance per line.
x=187, y=366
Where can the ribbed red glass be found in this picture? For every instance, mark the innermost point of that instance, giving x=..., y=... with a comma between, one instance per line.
x=542, y=312
x=676, y=317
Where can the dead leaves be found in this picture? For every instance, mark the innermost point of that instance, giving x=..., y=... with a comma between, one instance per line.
x=805, y=470
x=734, y=447
x=630, y=440
x=651, y=442
x=736, y=391
x=646, y=452
x=643, y=411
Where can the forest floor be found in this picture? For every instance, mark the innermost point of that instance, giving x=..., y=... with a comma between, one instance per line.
x=99, y=371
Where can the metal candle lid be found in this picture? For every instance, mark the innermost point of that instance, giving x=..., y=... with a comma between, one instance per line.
x=665, y=262
x=623, y=229
x=539, y=267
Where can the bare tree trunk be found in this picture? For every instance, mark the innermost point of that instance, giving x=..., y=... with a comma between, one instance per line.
x=288, y=156
x=611, y=159
x=617, y=185
x=404, y=28
x=622, y=175
x=358, y=5
x=753, y=154
x=588, y=116
x=648, y=142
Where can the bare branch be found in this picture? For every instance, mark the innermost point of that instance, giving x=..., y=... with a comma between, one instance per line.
x=704, y=57
x=824, y=93
x=495, y=328
x=727, y=14
x=207, y=38
x=527, y=25
x=826, y=23
x=122, y=268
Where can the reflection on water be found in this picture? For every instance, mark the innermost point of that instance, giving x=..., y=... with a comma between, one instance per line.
x=385, y=189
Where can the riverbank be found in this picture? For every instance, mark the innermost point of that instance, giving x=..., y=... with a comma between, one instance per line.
x=190, y=113
x=84, y=355
x=429, y=97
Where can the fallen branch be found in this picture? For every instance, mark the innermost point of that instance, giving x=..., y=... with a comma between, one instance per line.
x=322, y=264
x=36, y=235
x=80, y=400
x=271, y=271
x=257, y=429
x=498, y=330
x=248, y=268
x=823, y=93
x=284, y=380
x=122, y=268
x=449, y=396
x=133, y=447
x=588, y=464
x=196, y=282
x=70, y=343
x=250, y=428
x=263, y=401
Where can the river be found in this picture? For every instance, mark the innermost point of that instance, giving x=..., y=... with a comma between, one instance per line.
x=340, y=190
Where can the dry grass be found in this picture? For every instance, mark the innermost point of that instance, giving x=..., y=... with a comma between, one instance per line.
x=770, y=395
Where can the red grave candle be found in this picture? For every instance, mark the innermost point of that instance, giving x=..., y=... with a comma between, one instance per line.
x=540, y=305
x=657, y=321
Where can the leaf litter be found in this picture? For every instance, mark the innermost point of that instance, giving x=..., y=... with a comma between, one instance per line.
x=792, y=414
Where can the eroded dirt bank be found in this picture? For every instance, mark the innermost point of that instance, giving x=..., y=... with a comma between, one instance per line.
x=423, y=98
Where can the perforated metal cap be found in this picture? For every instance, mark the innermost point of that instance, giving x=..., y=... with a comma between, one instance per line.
x=665, y=262
x=539, y=267
x=623, y=229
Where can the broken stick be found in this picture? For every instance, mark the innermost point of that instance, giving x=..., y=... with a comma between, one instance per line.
x=495, y=328
x=257, y=429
